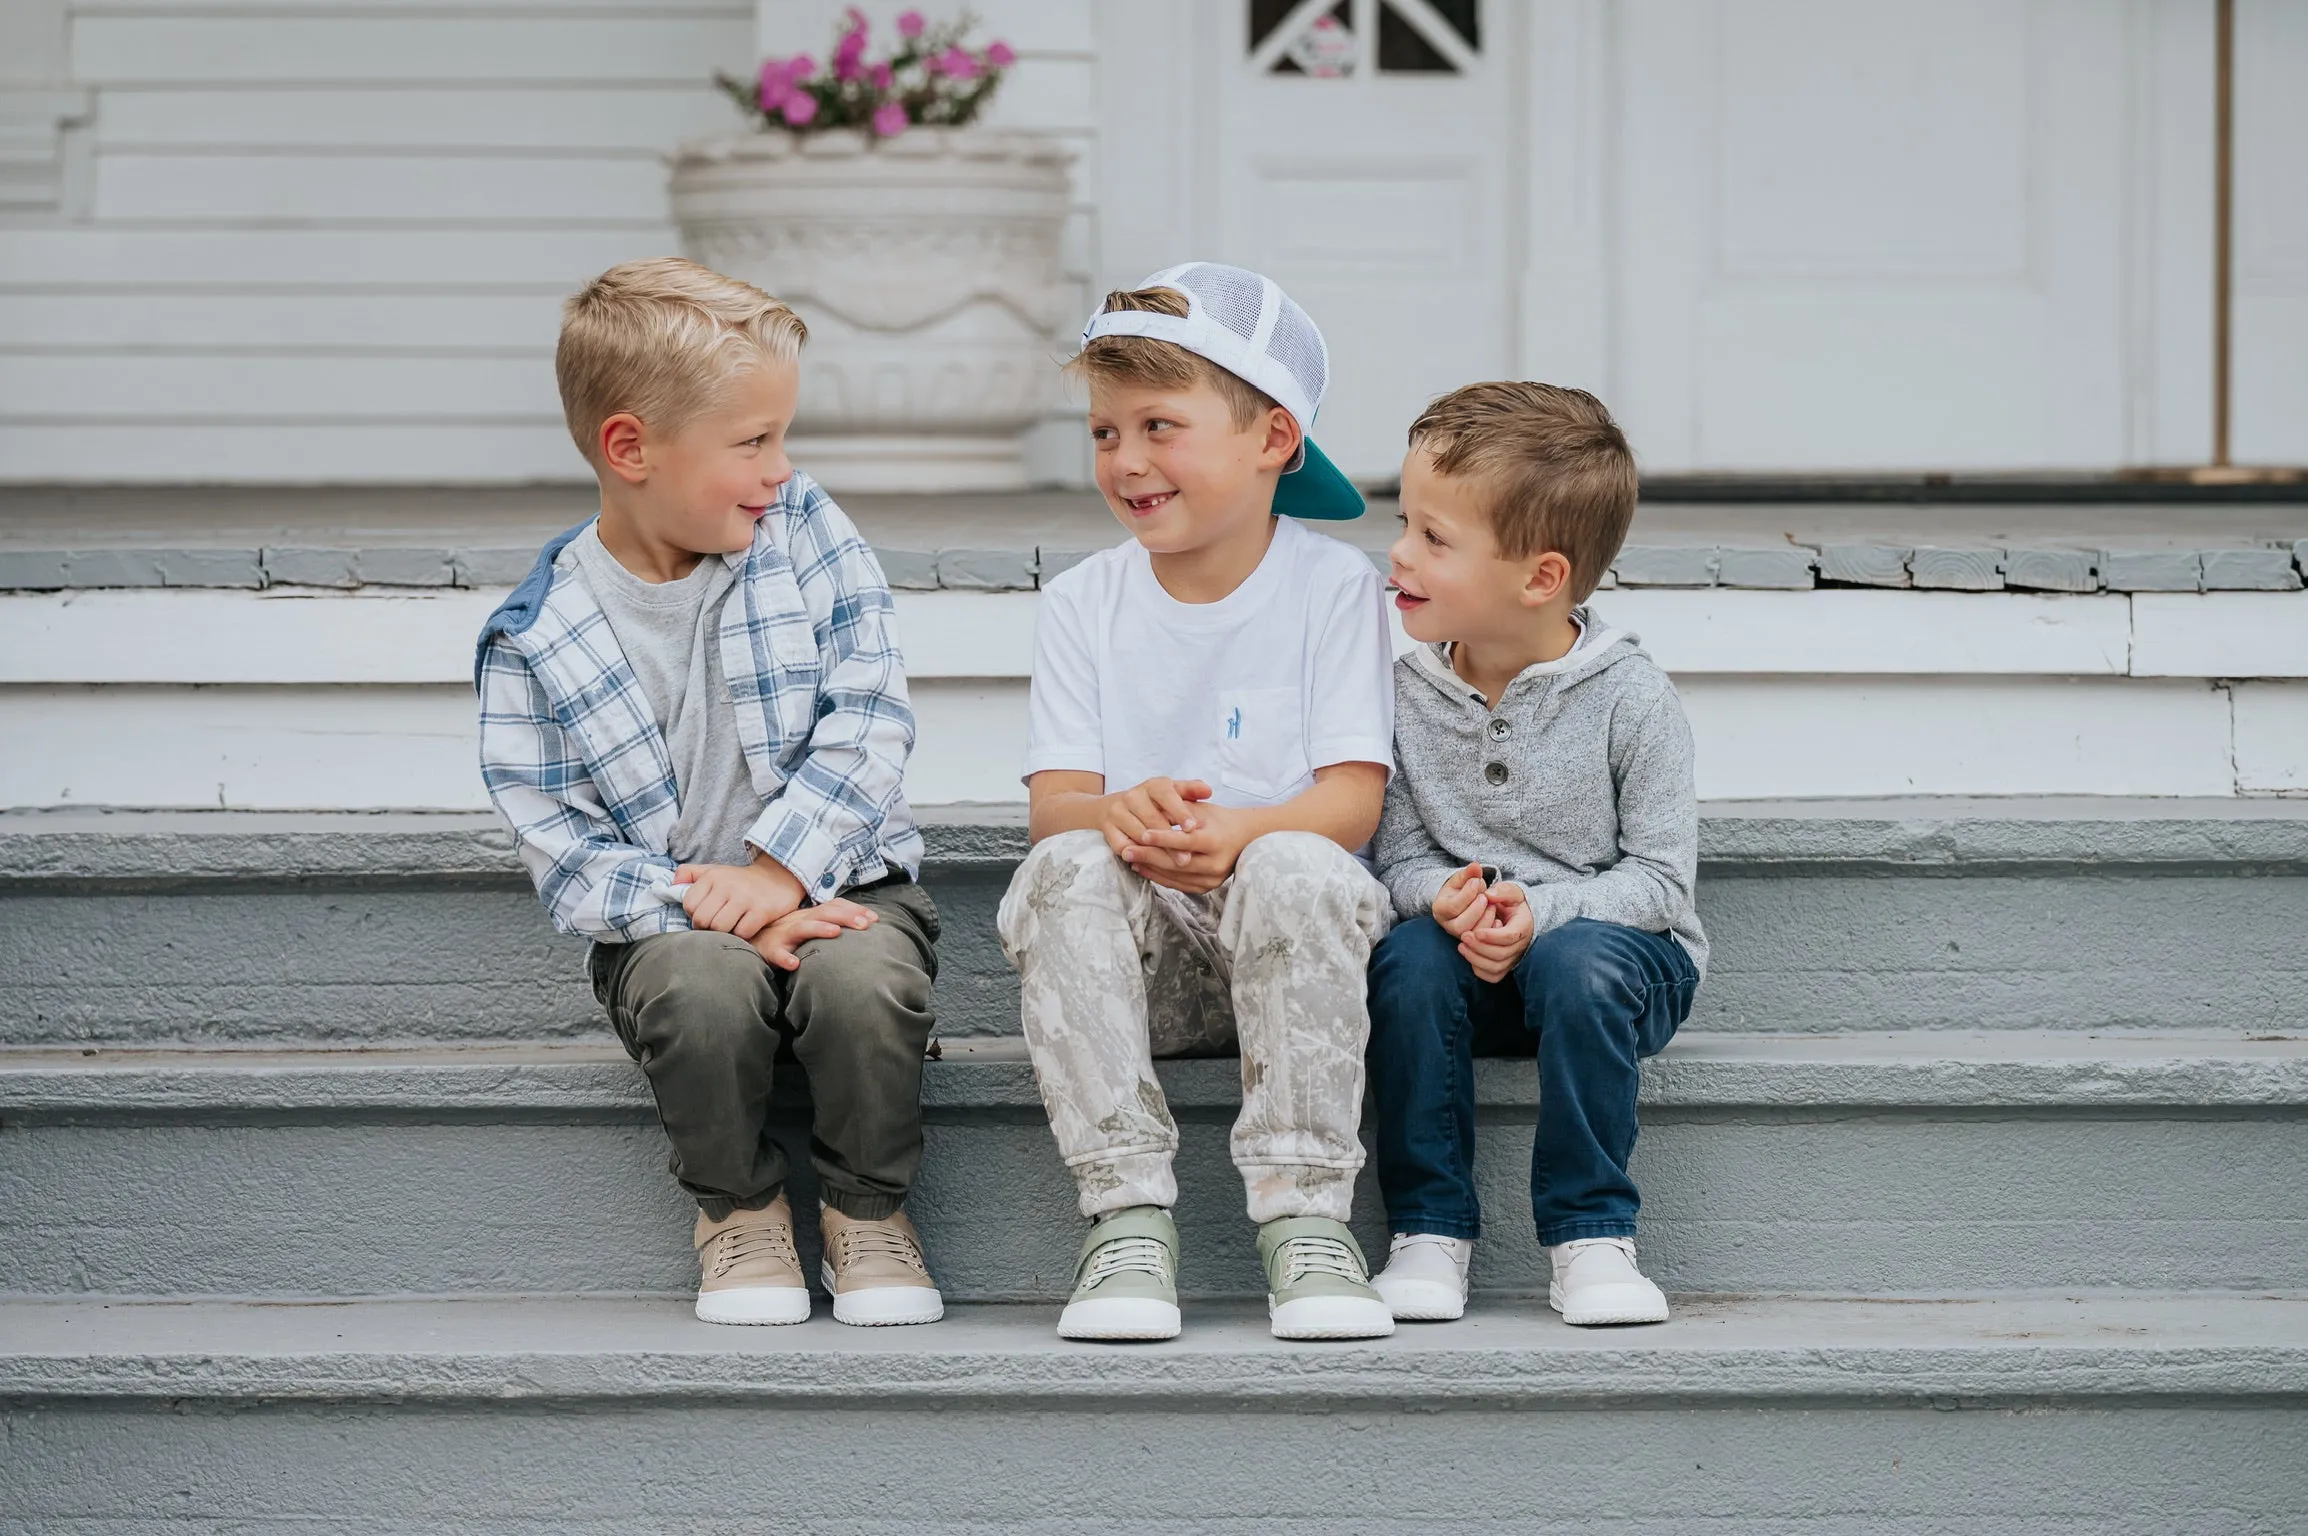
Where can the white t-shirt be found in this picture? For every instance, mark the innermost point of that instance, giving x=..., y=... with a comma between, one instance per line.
x=1290, y=672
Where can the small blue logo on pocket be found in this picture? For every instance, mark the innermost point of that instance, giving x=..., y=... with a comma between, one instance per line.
x=1234, y=724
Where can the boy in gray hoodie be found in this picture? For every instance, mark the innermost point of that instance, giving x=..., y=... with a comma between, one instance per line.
x=1540, y=841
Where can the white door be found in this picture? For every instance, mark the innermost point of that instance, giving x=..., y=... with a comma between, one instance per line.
x=1362, y=163
x=1873, y=234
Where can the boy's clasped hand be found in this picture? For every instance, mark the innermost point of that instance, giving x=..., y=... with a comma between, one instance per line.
x=1491, y=921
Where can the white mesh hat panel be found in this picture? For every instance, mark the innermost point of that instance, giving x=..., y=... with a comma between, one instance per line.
x=1242, y=322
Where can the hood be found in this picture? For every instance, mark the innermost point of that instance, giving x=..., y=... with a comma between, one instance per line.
x=1600, y=648
x=521, y=606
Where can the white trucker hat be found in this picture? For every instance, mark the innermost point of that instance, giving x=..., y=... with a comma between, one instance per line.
x=1248, y=326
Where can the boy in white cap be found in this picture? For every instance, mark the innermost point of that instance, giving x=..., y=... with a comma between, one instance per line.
x=1209, y=746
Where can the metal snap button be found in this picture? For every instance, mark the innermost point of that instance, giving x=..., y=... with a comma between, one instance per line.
x=1495, y=773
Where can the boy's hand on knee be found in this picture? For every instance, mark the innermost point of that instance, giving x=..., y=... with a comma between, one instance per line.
x=743, y=899
x=1157, y=804
x=1195, y=859
x=1494, y=946
x=780, y=943
x=1463, y=903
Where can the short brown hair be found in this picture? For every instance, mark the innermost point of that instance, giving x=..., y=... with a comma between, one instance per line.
x=662, y=339
x=1153, y=364
x=1555, y=470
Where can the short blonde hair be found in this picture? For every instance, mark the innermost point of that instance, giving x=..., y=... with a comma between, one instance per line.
x=662, y=339
x=1156, y=364
x=1554, y=470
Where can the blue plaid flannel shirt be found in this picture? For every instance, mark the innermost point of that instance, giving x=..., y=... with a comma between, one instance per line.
x=574, y=761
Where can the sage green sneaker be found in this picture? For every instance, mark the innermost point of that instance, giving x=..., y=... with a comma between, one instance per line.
x=1126, y=1282
x=1317, y=1283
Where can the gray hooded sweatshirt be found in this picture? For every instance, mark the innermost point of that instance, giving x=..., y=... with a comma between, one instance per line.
x=1578, y=786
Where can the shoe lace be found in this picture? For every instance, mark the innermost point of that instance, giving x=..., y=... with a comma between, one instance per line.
x=863, y=1241
x=1127, y=1255
x=742, y=1244
x=1303, y=1256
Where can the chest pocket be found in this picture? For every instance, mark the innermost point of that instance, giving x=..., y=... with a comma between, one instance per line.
x=1261, y=742
x=782, y=650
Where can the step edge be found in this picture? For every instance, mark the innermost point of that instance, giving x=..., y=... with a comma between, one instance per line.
x=179, y=849
x=2019, y=1071
x=1035, y=1368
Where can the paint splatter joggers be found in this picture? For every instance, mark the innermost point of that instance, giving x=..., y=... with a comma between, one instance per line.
x=1115, y=971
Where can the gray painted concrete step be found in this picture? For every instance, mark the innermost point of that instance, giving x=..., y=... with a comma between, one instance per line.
x=1825, y=916
x=1908, y=1163
x=2048, y=1413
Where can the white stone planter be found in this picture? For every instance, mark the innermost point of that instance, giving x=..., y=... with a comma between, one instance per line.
x=928, y=269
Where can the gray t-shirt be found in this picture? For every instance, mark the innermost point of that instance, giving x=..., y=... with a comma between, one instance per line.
x=670, y=633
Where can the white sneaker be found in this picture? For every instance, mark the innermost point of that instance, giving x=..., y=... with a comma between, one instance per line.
x=1596, y=1282
x=1425, y=1279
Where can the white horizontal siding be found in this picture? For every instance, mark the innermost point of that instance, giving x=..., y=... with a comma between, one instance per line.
x=326, y=240
x=272, y=452
x=642, y=118
x=47, y=386
x=383, y=189
x=260, y=260
x=144, y=321
x=652, y=44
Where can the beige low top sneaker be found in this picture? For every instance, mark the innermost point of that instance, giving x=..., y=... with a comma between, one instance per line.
x=876, y=1271
x=750, y=1272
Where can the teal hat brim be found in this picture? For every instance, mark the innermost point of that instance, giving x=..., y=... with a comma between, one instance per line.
x=1317, y=490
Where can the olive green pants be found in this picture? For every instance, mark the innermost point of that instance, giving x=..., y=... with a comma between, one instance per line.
x=705, y=1015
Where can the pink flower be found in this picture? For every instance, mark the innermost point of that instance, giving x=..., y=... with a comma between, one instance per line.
x=958, y=63
x=776, y=85
x=890, y=119
x=800, y=107
x=911, y=25
x=1000, y=55
x=881, y=74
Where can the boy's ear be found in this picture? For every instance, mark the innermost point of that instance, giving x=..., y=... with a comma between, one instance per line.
x=1283, y=435
x=1545, y=578
x=623, y=448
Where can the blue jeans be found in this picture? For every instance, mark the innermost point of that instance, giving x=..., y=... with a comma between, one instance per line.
x=1597, y=997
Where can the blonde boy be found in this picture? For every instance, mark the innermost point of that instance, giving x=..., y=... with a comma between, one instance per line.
x=1540, y=840
x=694, y=716
x=1208, y=747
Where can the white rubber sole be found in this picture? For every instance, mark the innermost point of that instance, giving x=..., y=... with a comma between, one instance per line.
x=884, y=1306
x=1421, y=1301
x=1610, y=1307
x=1330, y=1317
x=755, y=1305
x=1118, y=1318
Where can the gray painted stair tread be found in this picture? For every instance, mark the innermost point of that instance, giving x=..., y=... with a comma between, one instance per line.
x=1990, y=1069
x=1996, y=1346
x=431, y=536
x=1959, y=569
x=1867, y=565
x=81, y=847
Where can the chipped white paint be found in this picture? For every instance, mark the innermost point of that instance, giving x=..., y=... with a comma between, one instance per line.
x=2271, y=738
x=403, y=635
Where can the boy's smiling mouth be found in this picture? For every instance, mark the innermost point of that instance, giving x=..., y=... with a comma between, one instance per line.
x=1142, y=506
x=1405, y=599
